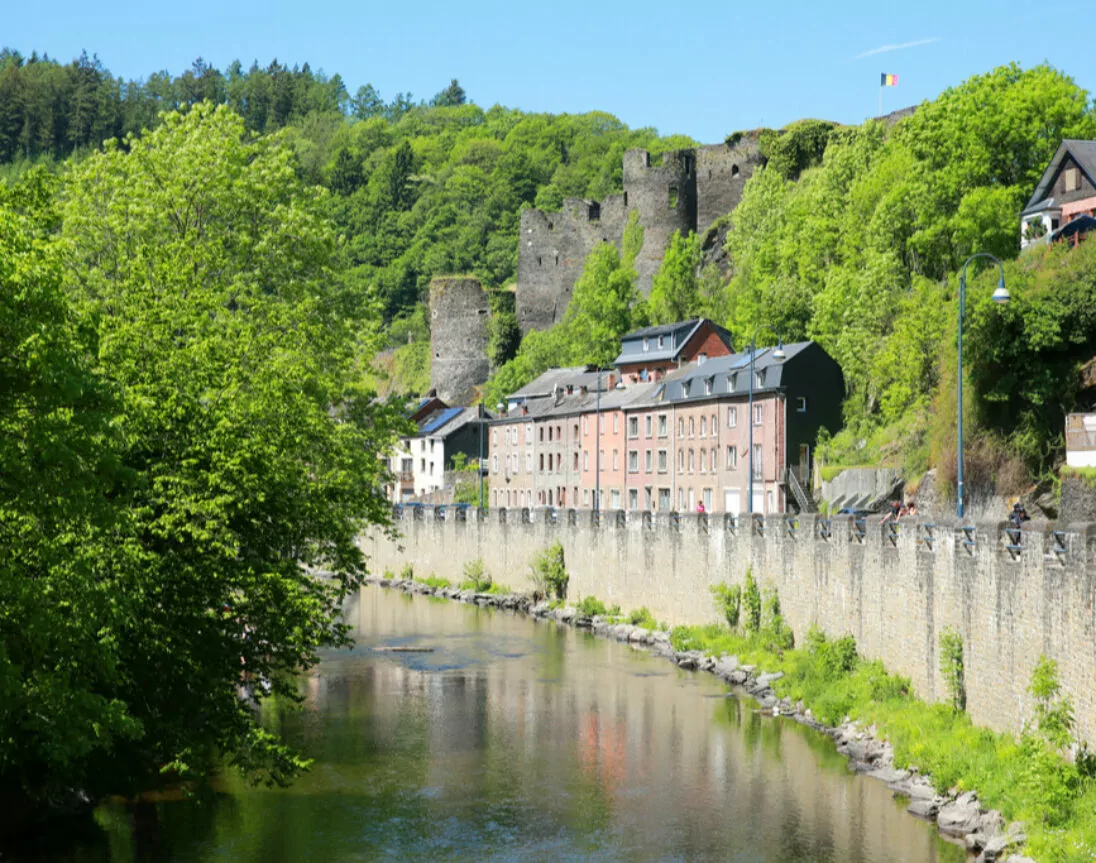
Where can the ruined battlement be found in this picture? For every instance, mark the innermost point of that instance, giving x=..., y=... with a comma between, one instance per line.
x=683, y=190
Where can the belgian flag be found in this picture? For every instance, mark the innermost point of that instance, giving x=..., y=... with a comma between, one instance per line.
x=886, y=80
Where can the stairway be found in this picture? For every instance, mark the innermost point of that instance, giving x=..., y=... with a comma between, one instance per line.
x=802, y=499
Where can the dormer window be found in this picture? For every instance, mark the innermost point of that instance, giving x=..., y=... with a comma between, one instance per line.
x=661, y=342
x=708, y=386
x=701, y=358
x=759, y=378
x=646, y=343
x=732, y=381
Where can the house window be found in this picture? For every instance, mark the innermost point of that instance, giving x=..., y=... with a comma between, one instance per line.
x=647, y=426
x=648, y=500
x=586, y=497
x=681, y=459
x=585, y=425
x=541, y=433
x=757, y=462
x=692, y=427
x=662, y=461
x=692, y=463
x=732, y=457
x=661, y=342
x=703, y=461
x=494, y=437
x=529, y=433
x=732, y=417
x=633, y=461
x=585, y=459
x=616, y=423
x=681, y=498
x=714, y=459
x=549, y=434
x=633, y=427
x=759, y=379
x=528, y=462
x=732, y=381
x=616, y=459
x=422, y=464
x=800, y=404
x=601, y=458
x=681, y=426
x=559, y=432
x=703, y=426
x=708, y=499
x=700, y=360
x=633, y=498
x=759, y=414
x=542, y=462
x=647, y=461
x=713, y=426
x=495, y=464
x=646, y=343
x=574, y=433
x=1072, y=180
x=514, y=461
x=614, y=498
x=575, y=465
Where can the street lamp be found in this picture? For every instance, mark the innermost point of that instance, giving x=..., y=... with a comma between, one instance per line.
x=1001, y=297
x=597, y=447
x=778, y=355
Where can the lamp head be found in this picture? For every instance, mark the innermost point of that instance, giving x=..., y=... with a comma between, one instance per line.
x=779, y=354
x=1001, y=296
x=501, y=407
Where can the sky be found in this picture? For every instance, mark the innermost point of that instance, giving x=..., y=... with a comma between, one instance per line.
x=703, y=69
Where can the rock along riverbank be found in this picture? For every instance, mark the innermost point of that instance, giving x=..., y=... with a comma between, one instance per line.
x=960, y=817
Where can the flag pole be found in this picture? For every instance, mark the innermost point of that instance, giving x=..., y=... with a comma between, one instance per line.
x=882, y=81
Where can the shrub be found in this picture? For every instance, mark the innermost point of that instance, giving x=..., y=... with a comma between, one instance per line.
x=407, y=573
x=476, y=576
x=751, y=600
x=550, y=571
x=951, y=667
x=643, y=617
x=778, y=632
x=728, y=599
x=834, y=658
x=592, y=606
x=436, y=582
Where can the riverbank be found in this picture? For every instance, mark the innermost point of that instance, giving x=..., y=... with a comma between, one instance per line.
x=772, y=678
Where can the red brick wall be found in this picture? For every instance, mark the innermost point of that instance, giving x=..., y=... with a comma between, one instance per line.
x=705, y=341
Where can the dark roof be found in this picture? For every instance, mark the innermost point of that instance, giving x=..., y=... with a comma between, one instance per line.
x=730, y=375
x=676, y=336
x=1083, y=153
x=544, y=385
x=435, y=420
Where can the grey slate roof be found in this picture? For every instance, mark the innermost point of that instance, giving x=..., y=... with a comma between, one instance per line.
x=675, y=337
x=730, y=375
x=1083, y=153
x=544, y=385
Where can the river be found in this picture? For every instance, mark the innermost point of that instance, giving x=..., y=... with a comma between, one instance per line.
x=523, y=740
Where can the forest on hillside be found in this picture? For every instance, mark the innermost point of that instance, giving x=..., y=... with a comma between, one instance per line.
x=852, y=235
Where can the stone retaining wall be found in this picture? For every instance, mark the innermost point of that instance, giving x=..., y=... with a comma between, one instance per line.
x=895, y=591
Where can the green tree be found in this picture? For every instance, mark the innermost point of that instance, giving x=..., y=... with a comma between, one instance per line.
x=451, y=97
x=675, y=292
x=202, y=265
x=601, y=308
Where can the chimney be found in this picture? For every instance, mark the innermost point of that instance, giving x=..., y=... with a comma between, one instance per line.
x=524, y=410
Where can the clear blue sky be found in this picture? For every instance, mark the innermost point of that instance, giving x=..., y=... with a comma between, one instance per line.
x=705, y=69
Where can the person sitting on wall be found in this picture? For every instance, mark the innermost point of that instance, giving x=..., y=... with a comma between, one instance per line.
x=894, y=514
x=911, y=509
x=700, y=507
x=1018, y=515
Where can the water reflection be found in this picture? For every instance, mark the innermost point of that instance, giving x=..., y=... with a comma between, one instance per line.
x=522, y=740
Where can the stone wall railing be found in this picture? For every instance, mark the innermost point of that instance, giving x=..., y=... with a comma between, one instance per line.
x=1013, y=594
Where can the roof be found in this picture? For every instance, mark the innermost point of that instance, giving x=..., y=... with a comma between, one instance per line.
x=433, y=422
x=675, y=337
x=723, y=375
x=1083, y=153
x=546, y=384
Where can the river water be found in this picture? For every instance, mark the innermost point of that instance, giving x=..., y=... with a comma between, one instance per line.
x=522, y=740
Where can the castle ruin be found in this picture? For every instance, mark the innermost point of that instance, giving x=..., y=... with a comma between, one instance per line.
x=686, y=192
x=459, y=313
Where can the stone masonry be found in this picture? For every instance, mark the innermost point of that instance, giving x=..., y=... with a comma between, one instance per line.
x=459, y=312
x=687, y=191
x=894, y=591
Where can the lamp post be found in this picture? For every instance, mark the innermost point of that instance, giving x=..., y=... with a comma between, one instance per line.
x=1001, y=297
x=778, y=355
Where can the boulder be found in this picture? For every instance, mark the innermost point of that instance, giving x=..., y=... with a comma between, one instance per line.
x=767, y=679
x=737, y=677
x=960, y=817
x=923, y=808
x=993, y=850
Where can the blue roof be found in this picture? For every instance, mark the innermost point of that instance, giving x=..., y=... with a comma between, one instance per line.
x=436, y=421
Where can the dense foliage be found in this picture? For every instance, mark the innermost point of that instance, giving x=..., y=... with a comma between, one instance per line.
x=185, y=440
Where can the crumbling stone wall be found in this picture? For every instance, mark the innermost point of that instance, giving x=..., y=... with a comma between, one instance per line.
x=686, y=191
x=721, y=174
x=459, y=312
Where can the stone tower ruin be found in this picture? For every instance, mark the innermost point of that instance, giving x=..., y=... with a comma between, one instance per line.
x=687, y=190
x=459, y=312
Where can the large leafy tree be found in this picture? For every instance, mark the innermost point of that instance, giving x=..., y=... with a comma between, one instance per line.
x=203, y=267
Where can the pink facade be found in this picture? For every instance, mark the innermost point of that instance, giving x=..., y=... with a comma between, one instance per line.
x=603, y=457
